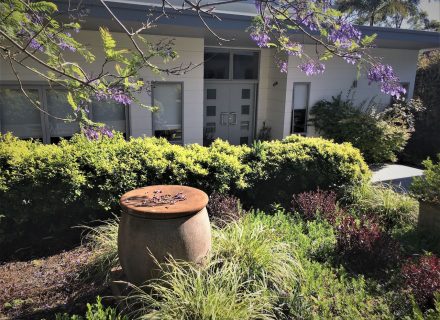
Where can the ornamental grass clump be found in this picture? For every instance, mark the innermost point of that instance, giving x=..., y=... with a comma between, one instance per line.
x=103, y=242
x=217, y=290
x=391, y=209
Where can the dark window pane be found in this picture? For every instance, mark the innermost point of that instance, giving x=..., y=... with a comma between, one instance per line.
x=245, y=93
x=244, y=125
x=18, y=115
x=245, y=109
x=210, y=111
x=299, y=121
x=246, y=65
x=211, y=94
x=216, y=65
x=244, y=140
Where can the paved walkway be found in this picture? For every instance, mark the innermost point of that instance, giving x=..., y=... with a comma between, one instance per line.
x=395, y=174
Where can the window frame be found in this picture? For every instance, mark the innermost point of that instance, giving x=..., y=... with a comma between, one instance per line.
x=42, y=89
x=183, y=107
x=231, y=52
x=292, y=123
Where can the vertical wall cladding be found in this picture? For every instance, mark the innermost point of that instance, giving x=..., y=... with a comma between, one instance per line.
x=190, y=51
x=271, y=95
x=339, y=77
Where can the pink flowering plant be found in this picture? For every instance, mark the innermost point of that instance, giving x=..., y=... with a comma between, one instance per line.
x=37, y=36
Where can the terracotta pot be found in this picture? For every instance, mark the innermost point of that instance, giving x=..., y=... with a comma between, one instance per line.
x=429, y=217
x=181, y=230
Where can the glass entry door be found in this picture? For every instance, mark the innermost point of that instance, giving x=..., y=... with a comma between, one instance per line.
x=229, y=109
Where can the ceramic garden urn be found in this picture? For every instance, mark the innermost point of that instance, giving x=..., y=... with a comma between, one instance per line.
x=162, y=221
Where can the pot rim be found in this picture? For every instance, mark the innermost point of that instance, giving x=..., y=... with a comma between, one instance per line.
x=195, y=201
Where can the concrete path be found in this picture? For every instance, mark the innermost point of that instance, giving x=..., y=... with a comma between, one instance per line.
x=395, y=174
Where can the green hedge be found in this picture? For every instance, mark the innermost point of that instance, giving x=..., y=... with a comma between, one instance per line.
x=46, y=189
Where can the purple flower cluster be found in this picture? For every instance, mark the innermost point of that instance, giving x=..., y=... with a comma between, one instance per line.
x=352, y=58
x=283, y=66
x=293, y=49
x=388, y=80
x=34, y=44
x=115, y=94
x=312, y=67
x=261, y=38
x=66, y=46
x=93, y=133
x=342, y=33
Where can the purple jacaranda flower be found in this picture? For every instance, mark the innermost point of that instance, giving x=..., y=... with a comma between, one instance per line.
x=34, y=44
x=65, y=46
x=343, y=33
x=384, y=74
x=352, y=58
x=293, y=49
x=93, y=133
x=116, y=95
x=283, y=65
x=261, y=38
x=312, y=67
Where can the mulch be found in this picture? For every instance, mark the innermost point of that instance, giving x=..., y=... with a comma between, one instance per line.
x=40, y=288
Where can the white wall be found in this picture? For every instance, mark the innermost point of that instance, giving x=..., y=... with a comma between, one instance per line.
x=339, y=76
x=271, y=94
x=190, y=50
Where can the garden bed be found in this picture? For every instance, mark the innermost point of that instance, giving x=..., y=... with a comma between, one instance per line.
x=39, y=288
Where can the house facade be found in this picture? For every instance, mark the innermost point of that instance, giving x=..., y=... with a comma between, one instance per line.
x=235, y=90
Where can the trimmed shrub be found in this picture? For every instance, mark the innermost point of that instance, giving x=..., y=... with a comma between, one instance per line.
x=223, y=209
x=363, y=246
x=297, y=164
x=46, y=189
x=422, y=278
x=313, y=204
x=427, y=187
x=379, y=136
x=391, y=209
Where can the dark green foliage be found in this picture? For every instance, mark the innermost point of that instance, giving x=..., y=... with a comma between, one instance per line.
x=49, y=188
x=425, y=142
x=427, y=187
x=297, y=164
x=379, y=136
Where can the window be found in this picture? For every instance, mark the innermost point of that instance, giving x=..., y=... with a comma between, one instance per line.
x=300, y=103
x=210, y=111
x=58, y=106
x=216, y=65
x=19, y=116
x=167, y=121
x=231, y=64
x=246, y=65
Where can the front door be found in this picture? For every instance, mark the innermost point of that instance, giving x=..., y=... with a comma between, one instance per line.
x=229, y=109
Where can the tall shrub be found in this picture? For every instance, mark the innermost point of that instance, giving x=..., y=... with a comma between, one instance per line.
x=379, y=136
x=425, y=142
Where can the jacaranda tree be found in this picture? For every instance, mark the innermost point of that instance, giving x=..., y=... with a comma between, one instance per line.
x=36, y=36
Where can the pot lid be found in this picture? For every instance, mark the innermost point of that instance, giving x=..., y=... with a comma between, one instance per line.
x=164, y=201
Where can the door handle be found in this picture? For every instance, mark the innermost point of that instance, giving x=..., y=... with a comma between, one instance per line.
x=223, y=118
x=233, y=118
